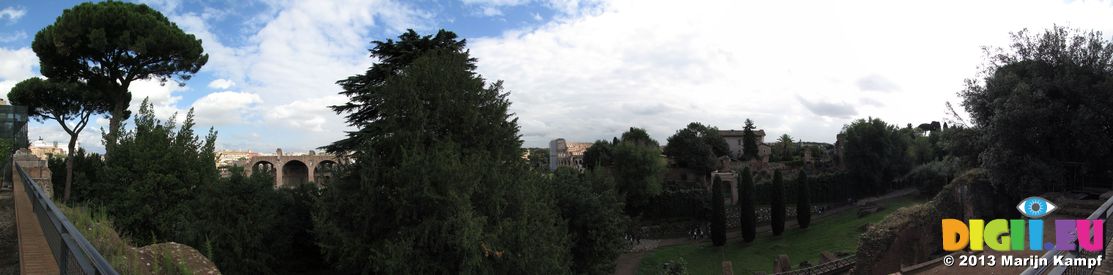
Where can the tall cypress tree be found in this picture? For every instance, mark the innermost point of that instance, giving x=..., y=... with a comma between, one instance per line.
x=748, y=221
x=718, y=212
x=803, y=202
x=777, y=207
x=749, y=141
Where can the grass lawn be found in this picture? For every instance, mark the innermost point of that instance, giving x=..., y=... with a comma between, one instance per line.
x=838, y=232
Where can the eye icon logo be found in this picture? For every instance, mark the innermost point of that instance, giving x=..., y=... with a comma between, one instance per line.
x=1035, y=207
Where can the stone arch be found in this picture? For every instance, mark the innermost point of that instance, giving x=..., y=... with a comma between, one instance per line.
x=323, y=172
x=262, y=166
x=294, y=172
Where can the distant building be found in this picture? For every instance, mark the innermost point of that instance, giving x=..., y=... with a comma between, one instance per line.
x=563, y=153
x=734, y=141
x=227, y=158
x=44, y=151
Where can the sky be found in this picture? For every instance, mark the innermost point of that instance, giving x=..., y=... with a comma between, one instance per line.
x=577, y=69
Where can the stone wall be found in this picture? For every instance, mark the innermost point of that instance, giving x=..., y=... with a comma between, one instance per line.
x=911, y=235
x=37, y=169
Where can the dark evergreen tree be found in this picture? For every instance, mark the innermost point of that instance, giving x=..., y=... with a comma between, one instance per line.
x=599, y=154
x=777, y=204
x=378, y=107
x=746, y=205
x=718, y=213
x=803, y=201
x=248, y=226
x=155, y=168
x=749, y=141
x=591, y=206
x=435, y=184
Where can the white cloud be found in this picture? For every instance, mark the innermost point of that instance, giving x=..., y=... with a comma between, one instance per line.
x=287, y=66
x=491, y=11
x=495, y=2
x=12, y=37
x=792, y=66
x=876, y=83
x=15, y=66
x=12, y=14
x=161, y=96
x=223, y=108
x=306, y=115
x=297, y=57
x=221, y=84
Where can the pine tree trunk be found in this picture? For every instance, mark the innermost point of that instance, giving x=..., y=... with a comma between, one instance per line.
x=69, y=168
x=114, y=127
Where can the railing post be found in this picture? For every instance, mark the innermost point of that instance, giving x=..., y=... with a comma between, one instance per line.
x=63, y=261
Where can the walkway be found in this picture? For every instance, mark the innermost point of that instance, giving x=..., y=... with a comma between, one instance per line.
x=34, y=252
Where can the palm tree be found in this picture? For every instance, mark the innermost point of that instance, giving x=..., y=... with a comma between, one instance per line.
x=786, y=142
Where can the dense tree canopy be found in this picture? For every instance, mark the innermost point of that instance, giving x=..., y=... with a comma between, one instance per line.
x=875, y=154
x=251, y=228
x=601, y=153
x=1044, y=106
x=639, y=169
x=108, y=45
x=163, y=186
x=592, y=208
x=538, y=158
x=697, y=147
x=156, y=166
x=435, y=185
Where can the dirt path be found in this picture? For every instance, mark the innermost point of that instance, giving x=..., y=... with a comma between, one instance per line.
x=627, y=264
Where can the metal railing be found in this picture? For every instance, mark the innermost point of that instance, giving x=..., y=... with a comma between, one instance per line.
x=73, y=253
x=1102, y=213
x=832, y=267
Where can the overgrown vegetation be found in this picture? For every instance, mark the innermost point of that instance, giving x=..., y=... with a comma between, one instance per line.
x=837, y=233
x=1042, y=107
x=96, y=226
